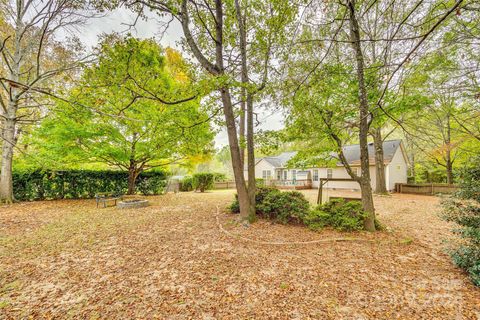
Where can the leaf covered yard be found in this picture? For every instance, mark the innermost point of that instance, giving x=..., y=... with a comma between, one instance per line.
x=182, y=258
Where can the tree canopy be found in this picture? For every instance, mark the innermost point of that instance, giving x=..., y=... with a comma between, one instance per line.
x=134, y=109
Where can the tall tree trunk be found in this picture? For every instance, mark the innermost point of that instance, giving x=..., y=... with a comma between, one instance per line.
x=380, y=183
x=241, y=125
x=448, y=154
x=252, y=187
x=132, y=178
x=6, y=168
x=242, y=193
x=365, y=187
x=132, y=168
x=9, y=123
x=248, y=98
x=9, y=139
x=218, y=69
x=449, y=168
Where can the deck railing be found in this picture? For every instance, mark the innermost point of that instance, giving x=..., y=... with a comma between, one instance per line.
x=297, y=184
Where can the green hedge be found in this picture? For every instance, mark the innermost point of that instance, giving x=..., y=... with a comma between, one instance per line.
x=77, y=184
x=203, y=181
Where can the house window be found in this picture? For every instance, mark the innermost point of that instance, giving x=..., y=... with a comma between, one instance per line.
x=329, y=173
x=315, y=175
x=285, y=175
x=294, y=174
x=279, y=175
x=358, y=171
x=266, y=174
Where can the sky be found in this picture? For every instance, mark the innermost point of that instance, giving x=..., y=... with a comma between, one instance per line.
x=119, y=21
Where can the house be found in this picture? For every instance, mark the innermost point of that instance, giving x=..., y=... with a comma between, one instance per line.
x=275, y=169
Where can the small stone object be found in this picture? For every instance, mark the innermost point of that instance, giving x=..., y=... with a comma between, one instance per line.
x=131, y=204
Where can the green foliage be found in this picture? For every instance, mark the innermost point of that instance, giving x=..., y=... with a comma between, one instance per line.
x=429, y=172
x=464, y=209
x=203, y=181
x=117, y=113
x=234, y=207
x=284, y=207
x=273, y=204
x=151, y=183
x=186, y=184
x=75, y=184
x=219, y=177
x=470, y=181
x=338, y=214
x=259, y=182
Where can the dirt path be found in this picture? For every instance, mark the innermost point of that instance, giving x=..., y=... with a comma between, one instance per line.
x=66, y=259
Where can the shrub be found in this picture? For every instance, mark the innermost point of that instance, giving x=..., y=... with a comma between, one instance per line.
x=218, y=177
x=283, y=207
x=470, y=182
x=464, y=209
x=259, y=182
x=186, y=184
x=260, y=194
x=203, y=181
x=338, y=214
x=151, y=185
x=234, y=207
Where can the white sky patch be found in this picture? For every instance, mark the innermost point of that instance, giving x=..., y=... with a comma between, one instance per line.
x=119, y=21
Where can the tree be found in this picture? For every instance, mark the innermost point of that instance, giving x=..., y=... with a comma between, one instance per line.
x=31, y=59
x=340, y=33
x=439, y=127
x=120, y=112
x=217, y=32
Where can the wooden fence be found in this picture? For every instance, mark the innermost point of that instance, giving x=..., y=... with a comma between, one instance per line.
x=224, y=185
x=427, y=189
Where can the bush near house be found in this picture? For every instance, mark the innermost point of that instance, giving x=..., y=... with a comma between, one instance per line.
x=464, y=209
x=203, y=181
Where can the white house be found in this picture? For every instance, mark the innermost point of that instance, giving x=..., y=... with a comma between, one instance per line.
x=275, y=168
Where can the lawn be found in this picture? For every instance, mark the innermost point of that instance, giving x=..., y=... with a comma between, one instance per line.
x=181, y=259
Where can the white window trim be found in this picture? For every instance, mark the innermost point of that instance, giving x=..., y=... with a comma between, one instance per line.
x=329, y=173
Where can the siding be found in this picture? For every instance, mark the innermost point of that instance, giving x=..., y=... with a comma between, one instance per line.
x=340, y=172
x=396, y=171
x=261, y=165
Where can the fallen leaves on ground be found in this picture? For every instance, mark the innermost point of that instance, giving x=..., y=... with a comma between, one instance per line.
x=67, y=259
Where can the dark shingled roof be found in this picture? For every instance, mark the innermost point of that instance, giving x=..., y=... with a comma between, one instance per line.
x=351, y=152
